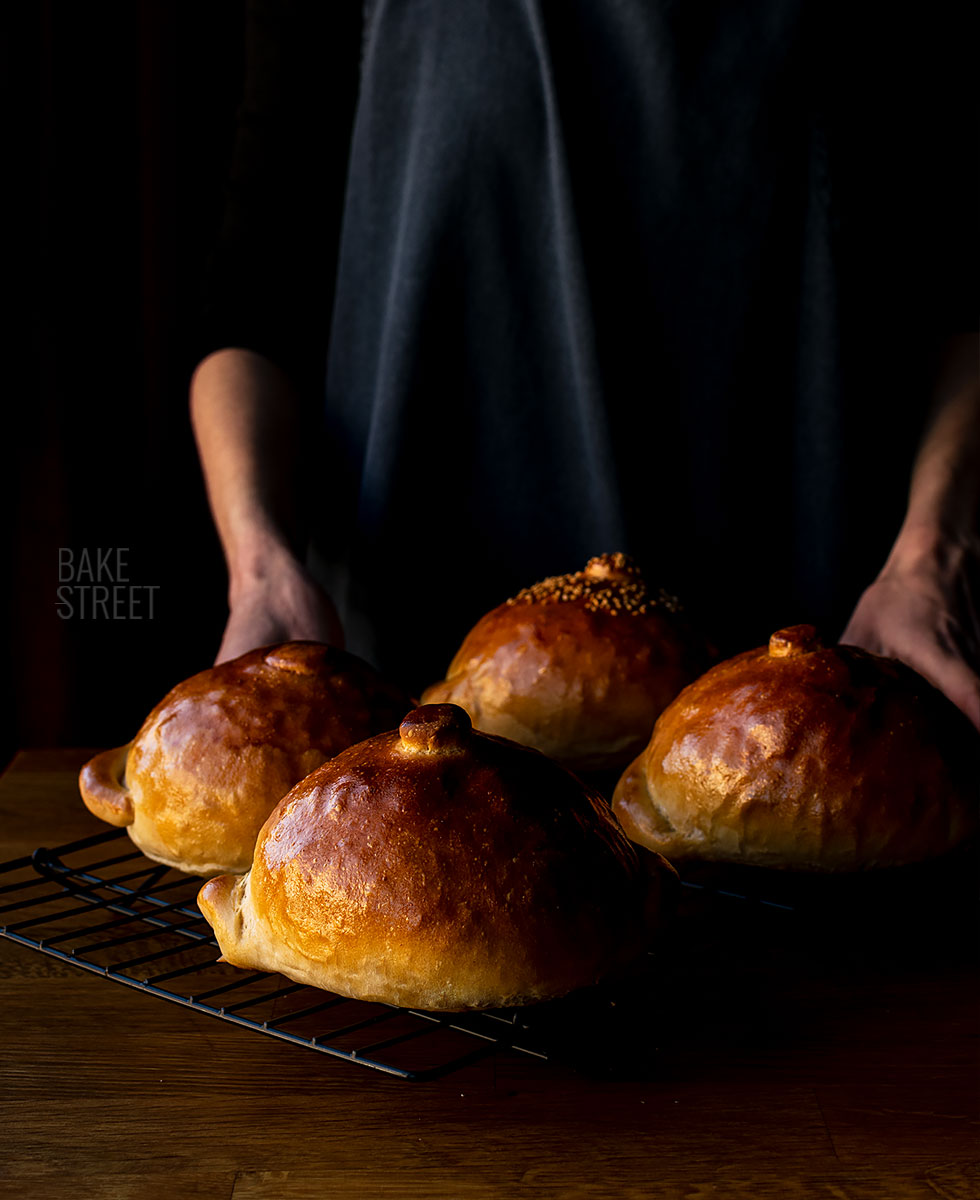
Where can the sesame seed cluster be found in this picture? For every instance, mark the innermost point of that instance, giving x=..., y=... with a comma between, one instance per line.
x=610, y=583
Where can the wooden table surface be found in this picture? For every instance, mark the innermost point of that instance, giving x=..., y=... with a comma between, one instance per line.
x=785, y=1055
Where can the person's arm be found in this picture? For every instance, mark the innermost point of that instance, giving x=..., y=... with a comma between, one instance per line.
x=924, y=606
x=245, y=415
x=265, y=310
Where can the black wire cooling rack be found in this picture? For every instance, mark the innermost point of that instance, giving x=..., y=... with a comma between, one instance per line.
x=102, y=906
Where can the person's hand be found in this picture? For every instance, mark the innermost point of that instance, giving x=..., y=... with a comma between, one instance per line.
x=926, y=612
x=280, y=603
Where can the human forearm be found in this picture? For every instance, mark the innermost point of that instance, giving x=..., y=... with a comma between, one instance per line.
x=924, y=605
x=943, y=514
x=245, y=415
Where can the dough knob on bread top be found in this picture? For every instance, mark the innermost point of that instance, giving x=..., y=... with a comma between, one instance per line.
x=796, y=640
x=435, y=727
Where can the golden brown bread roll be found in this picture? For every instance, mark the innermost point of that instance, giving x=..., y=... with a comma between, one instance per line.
x=436, y=867
x=216, y=755
x=578, y=666
x=805, y=756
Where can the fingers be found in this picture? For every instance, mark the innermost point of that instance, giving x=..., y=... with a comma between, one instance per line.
x=920, y=631
x=951, y=676
x=288, y=607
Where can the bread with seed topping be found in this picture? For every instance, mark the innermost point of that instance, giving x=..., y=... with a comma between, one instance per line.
x=578, y=666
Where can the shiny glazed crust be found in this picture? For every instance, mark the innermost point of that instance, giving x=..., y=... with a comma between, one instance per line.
x=216, y=755
x=578, y=667
x=438, y=868
x=804, y=756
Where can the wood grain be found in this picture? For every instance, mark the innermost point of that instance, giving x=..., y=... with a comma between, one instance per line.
x=781, y=1058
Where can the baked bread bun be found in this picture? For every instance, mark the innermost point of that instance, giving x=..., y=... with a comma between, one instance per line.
x=216, y=755
x=578, y=666
x=805, y=756
x=435, y=867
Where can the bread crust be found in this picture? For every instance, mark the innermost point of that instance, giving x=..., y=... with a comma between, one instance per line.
x=579, y=666
x=805, y=756
x=436, y=867
x=215, y=756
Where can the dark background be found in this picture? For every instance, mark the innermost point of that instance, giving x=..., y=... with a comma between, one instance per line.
x=120, y=125
x=120, y=132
